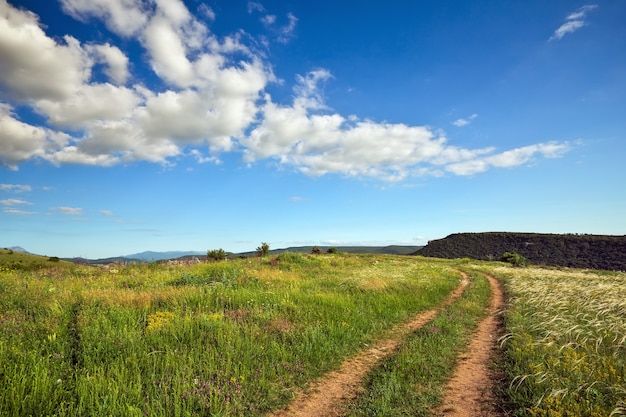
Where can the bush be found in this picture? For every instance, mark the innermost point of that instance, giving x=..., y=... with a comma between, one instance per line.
x=316, y=250
x=332, y=250
x=216, y=254
x=513, y=258
x=53, y=259
x=263, y=250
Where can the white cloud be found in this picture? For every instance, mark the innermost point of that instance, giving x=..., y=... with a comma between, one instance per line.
x=581, y=13
x=327, y=143
x=211, y=98
x=71, y=211
x=573, y=22
x=286, y=32
x=206, y=11
x=268, y=19
x=107, y=213
x=14, y=202
x=90, y=103
x=34, y=66
x=123, y=17
x=114, y=58
x=18, y=212
x=168, y=54
x=464, y=122
x=209, y=102
x=508, y=159
x=255, y=7
x=20, y=141
x=17, y=188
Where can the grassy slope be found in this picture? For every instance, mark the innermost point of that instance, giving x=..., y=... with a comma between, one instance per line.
x=228, y=338
x=236, y=338
x=24, y=261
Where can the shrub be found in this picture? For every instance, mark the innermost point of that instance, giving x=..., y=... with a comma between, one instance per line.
x=53, y=259
x=332, y=250
x=316, y=250
x=263, y=250
x=216, y=254
x=513, y=258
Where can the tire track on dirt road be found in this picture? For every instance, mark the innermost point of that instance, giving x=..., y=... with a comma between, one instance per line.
x=329, y=395
x=471, y=390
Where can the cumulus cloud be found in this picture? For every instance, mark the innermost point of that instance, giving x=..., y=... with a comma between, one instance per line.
x=315, y=141
x=114, y=59
x=573, y=22
x=34, y=66
x=211, y=97
x=464, y=122
x=208, y=98
x=20, y=141
x=123, y=17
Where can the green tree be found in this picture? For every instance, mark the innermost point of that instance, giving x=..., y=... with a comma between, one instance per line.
x=216, y=254
x=263, y=250
x=316, y=250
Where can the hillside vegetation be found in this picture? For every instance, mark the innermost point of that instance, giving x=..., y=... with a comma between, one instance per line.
x=575, y=251
x=242, y=337
x=14, y=260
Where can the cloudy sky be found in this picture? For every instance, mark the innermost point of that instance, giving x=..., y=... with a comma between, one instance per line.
x=132, y=125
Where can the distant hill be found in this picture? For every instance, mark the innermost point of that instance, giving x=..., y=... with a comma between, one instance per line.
x=106, y=261
x=149, y=256
x=381, y=250
x=571, y=250
x=18, y=249
x=21, y=260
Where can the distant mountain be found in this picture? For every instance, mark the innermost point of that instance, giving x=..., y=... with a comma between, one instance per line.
x=149, y=256
x=18, y=249
x=121, y=260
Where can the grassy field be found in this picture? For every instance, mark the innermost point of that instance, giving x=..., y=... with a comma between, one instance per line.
x=565, y=347
x=228, y=338
x=239, y=338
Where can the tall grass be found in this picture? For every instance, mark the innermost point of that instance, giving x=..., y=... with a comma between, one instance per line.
x=221, y=339
x=566, y=342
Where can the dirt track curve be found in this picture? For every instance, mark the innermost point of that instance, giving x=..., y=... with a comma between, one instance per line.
x=328, y=396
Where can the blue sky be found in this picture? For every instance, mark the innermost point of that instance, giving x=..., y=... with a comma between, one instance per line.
x=132, y=125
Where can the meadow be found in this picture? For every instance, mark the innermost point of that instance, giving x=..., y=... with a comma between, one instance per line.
x=242, y=337
x=565, y=346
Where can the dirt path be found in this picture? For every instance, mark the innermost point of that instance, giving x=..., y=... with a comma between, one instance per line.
x=328, y=396
x=470, y=392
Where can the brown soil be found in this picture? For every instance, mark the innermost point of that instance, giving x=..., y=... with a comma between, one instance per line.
x=470, y=392
x=328, y=396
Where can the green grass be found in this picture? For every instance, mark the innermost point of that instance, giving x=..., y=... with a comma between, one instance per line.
x=565, y=350
x=228, y=338
x=238, y=338
x=410, y=383
x=12, y=261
